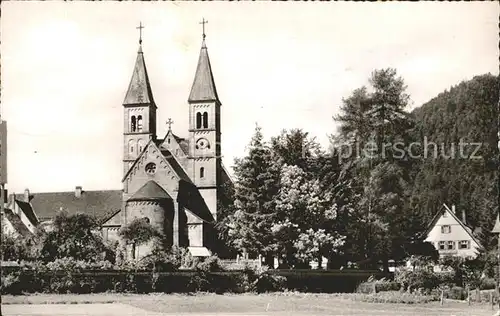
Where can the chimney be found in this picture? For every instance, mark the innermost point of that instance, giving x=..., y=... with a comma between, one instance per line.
x=27, y=195
x=464, y=218
x=78, y=191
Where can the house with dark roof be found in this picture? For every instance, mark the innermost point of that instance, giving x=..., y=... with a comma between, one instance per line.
x=451, y=235
x=19, y=219
x=39, y=209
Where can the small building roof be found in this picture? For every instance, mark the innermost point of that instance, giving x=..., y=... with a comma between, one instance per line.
x=199, y=252
x=150, y=191
x=28, y=211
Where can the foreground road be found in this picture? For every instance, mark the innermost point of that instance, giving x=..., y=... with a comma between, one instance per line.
x=120, y=309
x=75, y=310
x=108, y=309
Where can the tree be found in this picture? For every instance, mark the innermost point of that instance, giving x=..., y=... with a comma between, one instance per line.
x=304, y=222
x=17, y=248
x=75, y=236
x=225, y=209
x=379, y=180
x=139, y=231
x=257, y=183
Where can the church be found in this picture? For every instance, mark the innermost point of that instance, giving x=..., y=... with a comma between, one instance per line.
x=173, y=183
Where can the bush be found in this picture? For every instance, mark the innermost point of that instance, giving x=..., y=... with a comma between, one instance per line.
x=487, y=284
x=382, y=285
x=268, y=282
x=411, y=280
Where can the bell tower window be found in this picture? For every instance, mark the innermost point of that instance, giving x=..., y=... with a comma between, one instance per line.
x=131, y=146
x=139, y=123
x=205, y=120
x=198, y=120
x=132, y=124
x=202, y=172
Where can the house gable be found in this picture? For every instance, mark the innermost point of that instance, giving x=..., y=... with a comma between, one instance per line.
x=448, y=231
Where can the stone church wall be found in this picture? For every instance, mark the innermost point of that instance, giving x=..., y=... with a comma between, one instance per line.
x=160, y=215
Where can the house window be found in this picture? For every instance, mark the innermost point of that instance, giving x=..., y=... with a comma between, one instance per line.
x=451, y=245
x=139, y=123
x=442, y=245
x=445, y=214
x=445, y=229
x=202, y=172
x=464, y=244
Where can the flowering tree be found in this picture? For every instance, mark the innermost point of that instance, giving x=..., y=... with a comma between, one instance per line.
x=305, y=218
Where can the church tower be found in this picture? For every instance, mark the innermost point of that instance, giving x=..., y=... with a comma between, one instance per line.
x=139, y=112
x=205, y=131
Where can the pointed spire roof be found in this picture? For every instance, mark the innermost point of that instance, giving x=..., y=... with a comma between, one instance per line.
x=203, y=88
x=139, y=89
x=151, y=191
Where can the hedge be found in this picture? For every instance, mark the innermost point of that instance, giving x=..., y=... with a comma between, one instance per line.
x=18, y=281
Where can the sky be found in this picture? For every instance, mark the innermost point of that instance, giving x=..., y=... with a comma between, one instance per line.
x=66, y=67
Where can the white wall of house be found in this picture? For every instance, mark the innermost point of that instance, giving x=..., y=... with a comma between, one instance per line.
x=451, y=238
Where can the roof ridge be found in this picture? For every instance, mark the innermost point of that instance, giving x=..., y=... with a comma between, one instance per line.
x=72, y=192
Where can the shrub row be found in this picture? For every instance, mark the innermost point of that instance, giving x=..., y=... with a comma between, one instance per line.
x=77, y=278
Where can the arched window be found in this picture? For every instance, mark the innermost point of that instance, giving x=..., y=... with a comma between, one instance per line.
x=131, y=146
x=139, y=123
x=132, y=124
x=198, y=120
x=202, y=172
x=205, y=120
x=168, y=140
x=140, y=144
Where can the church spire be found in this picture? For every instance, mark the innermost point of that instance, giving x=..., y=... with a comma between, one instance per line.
x=139, y=89
x=203, y=88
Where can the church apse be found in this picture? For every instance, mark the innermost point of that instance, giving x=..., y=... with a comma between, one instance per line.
x=155, y=205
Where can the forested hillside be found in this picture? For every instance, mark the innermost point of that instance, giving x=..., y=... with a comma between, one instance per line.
x=467, y=111
x=299, y=202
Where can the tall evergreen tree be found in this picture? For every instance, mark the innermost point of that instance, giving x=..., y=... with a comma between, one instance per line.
x=257, y=184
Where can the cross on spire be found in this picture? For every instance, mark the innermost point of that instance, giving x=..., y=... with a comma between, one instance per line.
x=169, y=123
x=140, y=27
x=203, y=22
